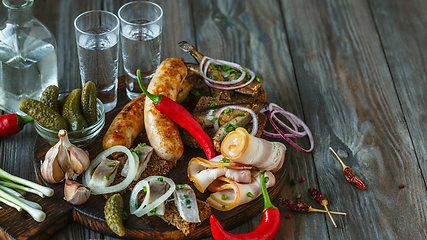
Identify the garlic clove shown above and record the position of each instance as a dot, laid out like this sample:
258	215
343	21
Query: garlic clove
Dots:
50	169
75	193
63	155
79	159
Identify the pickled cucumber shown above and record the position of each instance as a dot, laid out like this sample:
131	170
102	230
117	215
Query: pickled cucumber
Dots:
50	97
89	103
43	114
113	211
71	111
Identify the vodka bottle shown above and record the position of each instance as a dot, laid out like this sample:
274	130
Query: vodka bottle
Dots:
28	56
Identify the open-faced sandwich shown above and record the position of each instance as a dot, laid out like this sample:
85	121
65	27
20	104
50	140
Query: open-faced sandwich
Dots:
220	107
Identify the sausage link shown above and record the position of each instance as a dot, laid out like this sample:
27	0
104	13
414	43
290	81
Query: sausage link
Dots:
162	132
127	125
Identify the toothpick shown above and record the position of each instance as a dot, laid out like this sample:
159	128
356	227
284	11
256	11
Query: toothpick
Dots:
324	211
329	213
343	165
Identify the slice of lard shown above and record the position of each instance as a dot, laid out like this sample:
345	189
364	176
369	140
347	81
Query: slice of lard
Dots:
104	174
186	203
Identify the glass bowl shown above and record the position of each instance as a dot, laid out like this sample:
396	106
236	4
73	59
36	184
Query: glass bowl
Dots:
80	138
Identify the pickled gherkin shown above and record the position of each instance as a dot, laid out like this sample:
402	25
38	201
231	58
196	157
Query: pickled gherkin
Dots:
43	114
50	97
89	103
71	111
113	211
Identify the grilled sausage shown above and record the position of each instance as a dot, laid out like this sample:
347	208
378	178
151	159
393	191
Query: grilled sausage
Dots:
161	131
127	125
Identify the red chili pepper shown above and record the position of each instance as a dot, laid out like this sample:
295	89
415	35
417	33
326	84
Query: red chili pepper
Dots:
177	113
12	123
268	228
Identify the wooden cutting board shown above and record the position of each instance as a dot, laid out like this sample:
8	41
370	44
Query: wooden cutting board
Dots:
19	225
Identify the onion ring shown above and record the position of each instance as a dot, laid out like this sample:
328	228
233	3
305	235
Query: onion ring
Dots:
133	165
144	208
204	65
294	133
250	111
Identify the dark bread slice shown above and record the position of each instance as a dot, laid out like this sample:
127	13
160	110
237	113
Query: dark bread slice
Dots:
172	216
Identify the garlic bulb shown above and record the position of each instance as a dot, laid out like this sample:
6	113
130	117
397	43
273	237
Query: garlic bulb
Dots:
76	193
64	160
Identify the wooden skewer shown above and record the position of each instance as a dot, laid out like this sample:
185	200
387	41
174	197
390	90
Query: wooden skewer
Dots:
324	211
339	159
329	213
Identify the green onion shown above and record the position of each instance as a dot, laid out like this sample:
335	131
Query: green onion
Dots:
214	77
153	211
160	179
223	197
144	189
199	87
179	187
125	216
187	201
107	177
249	194
213	66
112	164
142	144
248	76
196	93
225	67
188	207
224	160
214	96
185	196
241	114
231	93
214	119
203	125
223	207
185	132
199	171
249	129
214	104
138	152
231	71
227	79
258	79
228	110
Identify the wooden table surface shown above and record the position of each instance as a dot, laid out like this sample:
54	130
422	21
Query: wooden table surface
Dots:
354	71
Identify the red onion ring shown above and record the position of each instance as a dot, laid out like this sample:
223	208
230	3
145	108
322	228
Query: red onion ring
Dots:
204	65
295	121
253	114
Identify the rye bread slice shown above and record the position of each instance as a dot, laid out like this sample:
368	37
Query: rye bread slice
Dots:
172	216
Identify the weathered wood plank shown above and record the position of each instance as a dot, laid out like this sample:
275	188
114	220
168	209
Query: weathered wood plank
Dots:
402	28
253	35
349	100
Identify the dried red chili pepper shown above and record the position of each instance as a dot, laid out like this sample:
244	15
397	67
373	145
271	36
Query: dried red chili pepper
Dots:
12	123
353	179
303	207
267	229
320	198
349	174
177	113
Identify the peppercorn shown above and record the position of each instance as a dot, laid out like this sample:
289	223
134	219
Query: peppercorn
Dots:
401	186
288	215
293	182
302	179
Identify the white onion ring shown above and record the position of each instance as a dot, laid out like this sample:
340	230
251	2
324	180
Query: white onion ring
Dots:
144	208
253	114
295	121
204	65
133	163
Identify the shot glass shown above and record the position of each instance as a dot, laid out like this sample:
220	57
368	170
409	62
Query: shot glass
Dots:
97	36
141	38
